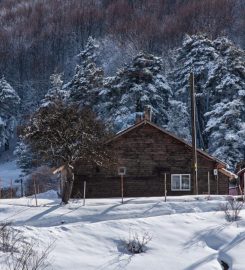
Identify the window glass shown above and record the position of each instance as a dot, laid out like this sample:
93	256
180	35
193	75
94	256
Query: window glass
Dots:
175	183
185	181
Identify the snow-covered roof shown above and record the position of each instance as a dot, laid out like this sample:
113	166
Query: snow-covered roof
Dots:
241	171
228	173
144	122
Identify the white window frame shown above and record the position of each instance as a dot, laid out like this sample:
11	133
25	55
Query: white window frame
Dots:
122	170
180	189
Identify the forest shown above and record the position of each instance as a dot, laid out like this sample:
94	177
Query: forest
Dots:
117	56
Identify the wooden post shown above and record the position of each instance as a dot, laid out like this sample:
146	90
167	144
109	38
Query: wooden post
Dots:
84	192
35	189
194	143
11	188
0	188
208	183
165	186
244	187
122	187
21	187
217	183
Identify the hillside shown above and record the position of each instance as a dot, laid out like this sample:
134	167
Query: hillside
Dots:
43	36
119	56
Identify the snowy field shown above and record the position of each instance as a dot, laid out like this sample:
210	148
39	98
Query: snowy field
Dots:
187	232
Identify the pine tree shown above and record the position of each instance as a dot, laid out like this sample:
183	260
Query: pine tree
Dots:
56	92
9	103
219	80
24	157
226	131
88	79
179	120
135	86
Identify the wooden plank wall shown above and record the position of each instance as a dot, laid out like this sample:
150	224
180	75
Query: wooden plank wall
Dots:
148	153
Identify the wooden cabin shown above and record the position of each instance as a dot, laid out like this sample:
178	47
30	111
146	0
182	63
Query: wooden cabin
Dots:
240	171
146	154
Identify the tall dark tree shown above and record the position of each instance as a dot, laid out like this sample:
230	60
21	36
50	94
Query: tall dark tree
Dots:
9	103
56	93
88	79
135	86
64	135
219	71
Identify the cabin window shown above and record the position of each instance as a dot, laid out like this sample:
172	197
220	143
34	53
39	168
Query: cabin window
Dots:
180	182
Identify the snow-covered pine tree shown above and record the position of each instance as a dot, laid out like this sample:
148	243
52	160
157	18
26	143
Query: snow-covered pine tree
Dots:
88	79
179	120
56	92
219	80
225	131
197	54
9	103
135	86
24	157
227	110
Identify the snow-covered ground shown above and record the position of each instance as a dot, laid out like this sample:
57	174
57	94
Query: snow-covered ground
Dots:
187	232
9	171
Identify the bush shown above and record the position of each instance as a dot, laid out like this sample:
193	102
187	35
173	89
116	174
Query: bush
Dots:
9	238
232	209
137	243
44	180
27	258
20	254
7	193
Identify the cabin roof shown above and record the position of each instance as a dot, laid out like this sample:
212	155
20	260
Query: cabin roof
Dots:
231	175
146	122
239	173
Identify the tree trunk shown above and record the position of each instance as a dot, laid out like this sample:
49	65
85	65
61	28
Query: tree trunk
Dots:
68	183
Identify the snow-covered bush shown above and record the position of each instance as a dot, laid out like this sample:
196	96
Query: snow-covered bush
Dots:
137	243
232	209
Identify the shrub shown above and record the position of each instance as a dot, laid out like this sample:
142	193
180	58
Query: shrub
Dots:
44	181
9	238
232	209
137	243
27	258
20	253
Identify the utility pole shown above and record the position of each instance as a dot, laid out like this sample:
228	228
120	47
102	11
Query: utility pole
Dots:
194	139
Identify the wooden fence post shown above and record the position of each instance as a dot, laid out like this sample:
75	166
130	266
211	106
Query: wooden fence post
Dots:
21	187
165	186
244	187
35	189
208	183
84	192
122	187
11	188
